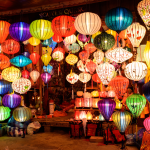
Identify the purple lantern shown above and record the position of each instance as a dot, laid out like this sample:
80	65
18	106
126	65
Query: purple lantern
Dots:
83	38
26	53
11	100
45	77
106	107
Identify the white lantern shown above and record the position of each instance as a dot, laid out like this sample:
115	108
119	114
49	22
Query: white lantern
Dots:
118	55
87	23
135	71
81	66
70	39
136	33
72	78
111	94
34	75
98	56
58	54
84	77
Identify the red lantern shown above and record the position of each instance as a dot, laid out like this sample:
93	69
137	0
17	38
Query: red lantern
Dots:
78	102
103	94
77	115
91	66
90	47
34	57
57	38
96	78
26	74
84	55
63	25
4	61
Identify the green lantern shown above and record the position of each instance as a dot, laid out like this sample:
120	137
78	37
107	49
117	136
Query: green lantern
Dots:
4	113
136	104
127	48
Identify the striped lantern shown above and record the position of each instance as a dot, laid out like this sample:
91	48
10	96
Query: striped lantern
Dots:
98	56
146	123
84	77
46	58
45	77
34	57
4	63
57	38
4	113
4	87
70	39
25	74
34	74
34	41
71	59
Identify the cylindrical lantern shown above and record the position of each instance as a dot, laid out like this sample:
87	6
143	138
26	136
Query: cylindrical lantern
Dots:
78	102
95	102
71	59
4	87
25	74
34	57
77	115
45	77
46	58
34	75
4	113
146	123
4	63
98	56
34	41
70	39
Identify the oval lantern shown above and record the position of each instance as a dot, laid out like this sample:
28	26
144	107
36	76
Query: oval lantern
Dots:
70	39
19	31
87	23
72	78
11	100
10	46
145	89
58	54
57	38
4	113
4	63
83	38
146	123
118	19
63	25
47	42
73	48
84	77
90	47
48	68
98	56
71	59
25	74
34	57
4	87
46	58
34	41
34	75
103	94
45	77
84	55
26	54
21	85
41	29
81	66
91	66
22	114
96	78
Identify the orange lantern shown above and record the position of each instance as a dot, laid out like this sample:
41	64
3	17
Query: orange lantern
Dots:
96	78
4	61
57	38
34	75
95	101
103	94
77	115
89	116
78	102
90	47
84	55
123	34
34	57
91	66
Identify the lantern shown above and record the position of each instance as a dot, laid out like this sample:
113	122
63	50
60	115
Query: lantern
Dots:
98	56
96	78
11	74
136	33
146	123
95	94
45	77
46	50
46	58
103	94
34	57
11	100
47	42
26	54
87	23
63	25
81	66
112	32
77	115
19	31
34	41
21	85
91	66
41	29
119	85
95	101
105	72
72	78
106	107
84	55
118	104
58	54
118	19
70	39
101	118
136	104
78	102
4	113
121	120
82	115
83	38
4	63
123	34
57	38
145	89
73	48
90	47
48	68
135	71
111	94
34	75
10	46
89	116
22	114
25	74
71	59
104	41
84	77
20	61
53	44
4	87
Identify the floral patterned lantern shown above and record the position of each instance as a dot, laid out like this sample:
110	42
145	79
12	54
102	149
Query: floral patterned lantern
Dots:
48	68
34	41
90	47
71	59
57	38
4	113
81	66
34	57
45	77
46	58
72	78
4	63
98	56
25	74
70	39
84	77
34	75
58	54
4	87
91	66
84	55
146	123
96	78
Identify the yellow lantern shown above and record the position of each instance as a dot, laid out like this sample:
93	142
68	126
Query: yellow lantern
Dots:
46	58
118	104
95	101
95	34
89	116
71	59
11	74
34	41
46	50
95	94
112	32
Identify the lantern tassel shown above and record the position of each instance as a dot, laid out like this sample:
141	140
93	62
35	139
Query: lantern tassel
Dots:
72	93
58	71
85	88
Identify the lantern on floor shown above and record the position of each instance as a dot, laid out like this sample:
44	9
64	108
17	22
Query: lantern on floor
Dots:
57	38
25	74
136	33
136	104
4	113
10	46
146	123
104	41
19	31
119	85
84	55
91	66
82	115
106	107
122	18
34	57
87	23
81	66
20	61
72	78
26	54
77	115
21	85
70	39
90	47
89	116
41	29
98	56
4	63
22	114
4	87
34	75
121	120
84	77
46	58
135	71
145	89
105	72
11	100
34	41
45	77
11	74
47	42
71	59
63	25
58	54
48	68
96	78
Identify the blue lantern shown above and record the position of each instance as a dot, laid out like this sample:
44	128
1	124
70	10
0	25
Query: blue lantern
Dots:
47	42
26	54
4	87
53	44
146	90
20	61
118	19
48	68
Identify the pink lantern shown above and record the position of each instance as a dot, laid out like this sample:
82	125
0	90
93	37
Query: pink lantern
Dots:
83	38
103	94
45	77
111	94
34	75
72	78
90	47
84	55
25	74
146	123
91	66
82	115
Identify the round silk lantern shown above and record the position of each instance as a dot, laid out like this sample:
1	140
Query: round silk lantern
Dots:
104	41
79	93
146	123
22	114
96	78
70	39
63	25
91	66
121	120
98	56
135	71
57	38
11	74
47	42
4	63
46	58
25	74
72	78
34	57
84	55
83	38
4	87
90	47
48	68
145	89
34	75
58	54
103	94
10	46
26	54
41	29
136	104
71	59
4	113
21	85
73	48
111	94
84	77
81	66
34	41
118	19
45	77
87	23
95	94
11	100
19	31
106	107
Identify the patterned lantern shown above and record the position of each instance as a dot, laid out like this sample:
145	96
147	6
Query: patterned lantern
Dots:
146	123
4	113
121	120
81	66
20	61
57	38
10	46
72	78
11	74
146	91
71	59
34	57
104	41
87	23
73	48
98	56
106	107
45	77
118	19
4	87
19	31
4	63
47	42
136	104
105	72
21	85
119	85
41	29
25	74
70	39
118	55
46	58
90	47
111	93
22	114
58	54
83	38
63	25
34	41
91	66
103	94
26	54
11	100
84	55
136	33
84	77
135	71
48	68
96	78
34	75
